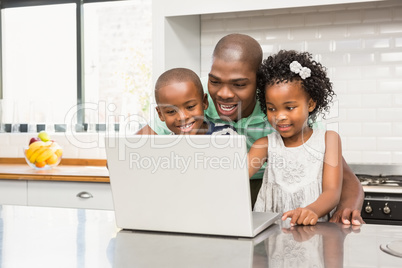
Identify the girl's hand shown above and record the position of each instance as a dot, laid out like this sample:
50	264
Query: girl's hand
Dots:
301	216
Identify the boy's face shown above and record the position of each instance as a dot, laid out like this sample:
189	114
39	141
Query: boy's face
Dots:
232	86
181	107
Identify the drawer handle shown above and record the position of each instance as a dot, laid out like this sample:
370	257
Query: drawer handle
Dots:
84	195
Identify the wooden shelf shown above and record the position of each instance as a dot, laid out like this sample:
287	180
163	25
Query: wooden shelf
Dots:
85	170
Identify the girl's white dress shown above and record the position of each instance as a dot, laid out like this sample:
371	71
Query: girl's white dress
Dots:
293	176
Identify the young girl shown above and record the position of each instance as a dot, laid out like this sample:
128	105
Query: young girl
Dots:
303	175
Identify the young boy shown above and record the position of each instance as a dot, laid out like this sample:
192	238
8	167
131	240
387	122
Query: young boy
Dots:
181	103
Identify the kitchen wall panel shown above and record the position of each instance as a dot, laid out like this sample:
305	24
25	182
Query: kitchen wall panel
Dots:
361	46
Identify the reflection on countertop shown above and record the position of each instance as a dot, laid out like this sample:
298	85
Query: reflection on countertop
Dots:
59	237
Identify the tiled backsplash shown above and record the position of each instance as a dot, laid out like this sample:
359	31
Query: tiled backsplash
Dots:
360	44
76	145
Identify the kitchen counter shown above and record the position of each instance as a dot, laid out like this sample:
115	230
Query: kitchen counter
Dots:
75	183
68	170
60	237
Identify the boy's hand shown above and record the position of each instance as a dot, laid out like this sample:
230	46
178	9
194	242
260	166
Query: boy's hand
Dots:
301	216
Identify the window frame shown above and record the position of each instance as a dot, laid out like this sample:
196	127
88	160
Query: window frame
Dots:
79	36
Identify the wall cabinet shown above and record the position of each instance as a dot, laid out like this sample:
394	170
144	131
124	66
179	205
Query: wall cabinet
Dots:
88	195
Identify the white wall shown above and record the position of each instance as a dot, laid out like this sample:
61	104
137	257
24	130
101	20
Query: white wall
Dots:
184	7
361	44
359	41
176	44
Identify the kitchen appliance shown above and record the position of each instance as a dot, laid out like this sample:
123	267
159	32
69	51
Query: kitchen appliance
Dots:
382	185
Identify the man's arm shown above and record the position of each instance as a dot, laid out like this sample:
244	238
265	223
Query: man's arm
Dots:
257	155
350	204
147	130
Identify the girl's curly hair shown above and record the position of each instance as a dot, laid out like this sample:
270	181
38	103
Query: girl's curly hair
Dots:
275	69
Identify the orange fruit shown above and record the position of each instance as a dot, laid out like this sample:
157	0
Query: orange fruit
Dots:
40	164
52	159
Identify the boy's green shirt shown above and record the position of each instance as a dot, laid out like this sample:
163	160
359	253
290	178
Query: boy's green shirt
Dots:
253	127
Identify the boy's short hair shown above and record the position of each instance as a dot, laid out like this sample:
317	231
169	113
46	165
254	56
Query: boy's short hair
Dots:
178	75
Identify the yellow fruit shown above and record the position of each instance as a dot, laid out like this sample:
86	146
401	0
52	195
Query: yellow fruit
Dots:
43	156
33	147
52	159
33	157
59	152
40	164
42	153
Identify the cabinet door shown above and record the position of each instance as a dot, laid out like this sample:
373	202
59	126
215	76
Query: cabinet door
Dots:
91	195
13	192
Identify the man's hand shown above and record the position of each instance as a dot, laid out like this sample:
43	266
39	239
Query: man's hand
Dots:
347	216
301	216
326	229
352	197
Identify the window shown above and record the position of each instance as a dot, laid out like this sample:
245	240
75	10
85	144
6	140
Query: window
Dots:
45	74
118	55
39	62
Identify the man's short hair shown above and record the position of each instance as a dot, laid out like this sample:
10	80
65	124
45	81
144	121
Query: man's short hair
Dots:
239	47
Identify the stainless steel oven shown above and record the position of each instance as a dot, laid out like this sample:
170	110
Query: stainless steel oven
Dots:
382	185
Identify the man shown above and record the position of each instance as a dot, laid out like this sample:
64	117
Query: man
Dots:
232	88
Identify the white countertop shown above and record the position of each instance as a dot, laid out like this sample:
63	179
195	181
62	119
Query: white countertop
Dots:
57	237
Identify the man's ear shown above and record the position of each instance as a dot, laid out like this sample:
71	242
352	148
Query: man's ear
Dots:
311	105
205	101
160	114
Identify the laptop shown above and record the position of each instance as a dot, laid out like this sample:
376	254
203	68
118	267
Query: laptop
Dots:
140	248
183	184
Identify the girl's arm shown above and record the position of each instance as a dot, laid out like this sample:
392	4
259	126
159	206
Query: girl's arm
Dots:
257	155
331	185
331	176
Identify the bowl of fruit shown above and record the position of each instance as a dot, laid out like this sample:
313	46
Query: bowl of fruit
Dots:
42	152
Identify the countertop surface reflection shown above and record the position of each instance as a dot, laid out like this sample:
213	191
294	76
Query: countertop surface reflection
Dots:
60	237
